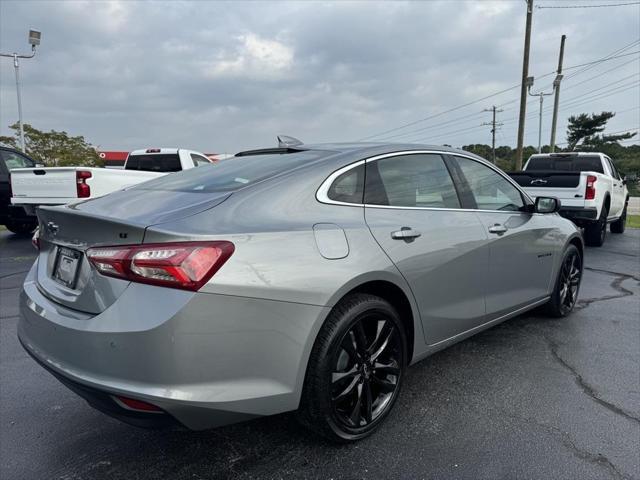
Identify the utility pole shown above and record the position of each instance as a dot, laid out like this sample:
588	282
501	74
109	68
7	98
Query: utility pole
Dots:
494	125
523	86
541	94
34	40
556	100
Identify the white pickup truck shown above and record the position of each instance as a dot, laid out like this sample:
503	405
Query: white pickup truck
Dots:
32	187
592	192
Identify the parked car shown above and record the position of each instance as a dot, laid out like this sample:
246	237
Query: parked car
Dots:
15	218
286	279
593	193
62	185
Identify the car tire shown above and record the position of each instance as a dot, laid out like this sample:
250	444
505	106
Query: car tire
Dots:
567	284
596	233
355	370
619	225
21	228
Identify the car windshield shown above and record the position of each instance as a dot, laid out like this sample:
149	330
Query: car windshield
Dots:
566	163
232	174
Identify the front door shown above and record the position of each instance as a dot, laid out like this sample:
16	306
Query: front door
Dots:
413	211
521	244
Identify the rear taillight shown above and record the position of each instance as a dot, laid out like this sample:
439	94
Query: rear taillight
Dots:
35	239
83	190
590	192
185	265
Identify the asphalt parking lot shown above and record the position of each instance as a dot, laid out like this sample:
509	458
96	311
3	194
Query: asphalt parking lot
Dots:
531	398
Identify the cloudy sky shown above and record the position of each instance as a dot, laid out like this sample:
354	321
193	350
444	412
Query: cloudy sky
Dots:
226	76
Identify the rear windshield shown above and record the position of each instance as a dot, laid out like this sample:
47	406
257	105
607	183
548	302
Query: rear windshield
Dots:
165	162
571	163
233	173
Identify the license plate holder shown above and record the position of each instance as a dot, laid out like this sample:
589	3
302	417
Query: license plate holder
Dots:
67	265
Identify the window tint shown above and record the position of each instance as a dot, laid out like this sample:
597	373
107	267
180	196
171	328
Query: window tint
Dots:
15	160
566	163
419	180
199	160
490	190
233	173
348	187
169	162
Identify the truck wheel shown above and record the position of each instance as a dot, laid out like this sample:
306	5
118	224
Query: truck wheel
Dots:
595	233
619	225
21	228
355	370
567	286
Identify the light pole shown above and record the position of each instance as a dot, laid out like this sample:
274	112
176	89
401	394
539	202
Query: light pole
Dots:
34	40
529	84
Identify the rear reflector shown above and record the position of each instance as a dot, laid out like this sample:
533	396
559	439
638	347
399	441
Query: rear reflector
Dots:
590	192
35	239
184	265
137	405
83	190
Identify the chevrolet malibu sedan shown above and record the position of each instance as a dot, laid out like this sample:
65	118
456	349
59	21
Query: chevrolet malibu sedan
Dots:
301	278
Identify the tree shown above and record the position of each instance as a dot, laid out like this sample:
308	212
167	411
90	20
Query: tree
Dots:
54	148
588	129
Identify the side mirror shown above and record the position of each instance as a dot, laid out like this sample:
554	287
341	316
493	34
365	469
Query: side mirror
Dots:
547	205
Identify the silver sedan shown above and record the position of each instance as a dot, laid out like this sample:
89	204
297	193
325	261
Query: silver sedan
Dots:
301	278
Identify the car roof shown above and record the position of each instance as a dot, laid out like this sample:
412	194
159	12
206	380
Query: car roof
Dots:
362	149
566	154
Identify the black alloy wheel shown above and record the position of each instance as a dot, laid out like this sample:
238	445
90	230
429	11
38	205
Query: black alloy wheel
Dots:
367	370
565	293
570	274
355	370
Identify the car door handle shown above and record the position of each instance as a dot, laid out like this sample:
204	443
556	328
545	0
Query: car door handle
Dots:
497	228
405	233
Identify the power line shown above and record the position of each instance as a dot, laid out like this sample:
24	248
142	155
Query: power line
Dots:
440	113
544	7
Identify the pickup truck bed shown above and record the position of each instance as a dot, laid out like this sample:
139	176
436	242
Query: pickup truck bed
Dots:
591	191
32	187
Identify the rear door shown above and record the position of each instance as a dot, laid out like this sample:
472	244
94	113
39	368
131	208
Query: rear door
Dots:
617	190
521	244
414	212
9	160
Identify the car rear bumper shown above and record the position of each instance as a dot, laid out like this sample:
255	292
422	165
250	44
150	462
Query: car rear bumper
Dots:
206	360
580	215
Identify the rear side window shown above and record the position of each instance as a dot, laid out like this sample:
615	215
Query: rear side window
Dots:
417	180
348	187
234	173
15	160
166	162
199	160
566	163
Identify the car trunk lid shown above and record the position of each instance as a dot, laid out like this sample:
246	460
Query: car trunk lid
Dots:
64	273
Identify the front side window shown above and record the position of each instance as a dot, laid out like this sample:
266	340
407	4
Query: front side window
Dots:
490	190
413	180
15	160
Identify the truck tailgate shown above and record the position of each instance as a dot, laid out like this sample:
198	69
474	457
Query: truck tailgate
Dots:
56	182
569	187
